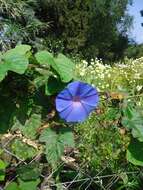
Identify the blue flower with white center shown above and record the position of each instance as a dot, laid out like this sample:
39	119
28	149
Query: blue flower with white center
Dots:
76	101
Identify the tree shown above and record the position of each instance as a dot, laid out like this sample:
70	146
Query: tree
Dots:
91	28
109	25
134	51
20	23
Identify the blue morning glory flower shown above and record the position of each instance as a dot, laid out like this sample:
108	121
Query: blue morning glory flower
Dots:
76	101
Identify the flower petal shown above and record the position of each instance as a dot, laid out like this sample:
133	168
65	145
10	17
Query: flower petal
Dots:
75	103
62	104
64	114
73	88
64	95
77	114
88	91
90	100
88	108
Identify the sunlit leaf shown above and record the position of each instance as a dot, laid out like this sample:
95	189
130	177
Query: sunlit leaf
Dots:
14	60
12	186
22	150
45	58
3	166
19	49
64	67
31	125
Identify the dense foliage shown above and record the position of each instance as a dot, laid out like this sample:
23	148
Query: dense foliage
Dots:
20	23
38	149
134	51
95	28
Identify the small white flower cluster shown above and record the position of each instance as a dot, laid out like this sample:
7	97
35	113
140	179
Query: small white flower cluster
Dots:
127	76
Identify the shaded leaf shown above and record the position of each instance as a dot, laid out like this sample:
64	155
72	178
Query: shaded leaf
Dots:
133	120
53	86
56	141
40	81
29	172
54	148
67	137
28	185
43	78
7	107
48	135
53	152
134	152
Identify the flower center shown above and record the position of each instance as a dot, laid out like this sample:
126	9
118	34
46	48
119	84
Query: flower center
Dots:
76	99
